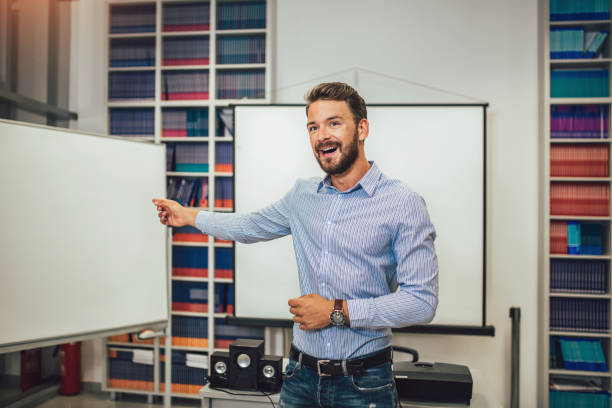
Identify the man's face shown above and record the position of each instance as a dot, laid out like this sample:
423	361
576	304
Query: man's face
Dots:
333	135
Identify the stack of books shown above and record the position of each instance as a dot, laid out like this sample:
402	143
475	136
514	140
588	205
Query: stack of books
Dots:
578	276
580	315
241	84
573	160
579	121
224	157
189	331
132	19
233	15
189	16
131	85
131	121
189	261
185	51
184	122
241	50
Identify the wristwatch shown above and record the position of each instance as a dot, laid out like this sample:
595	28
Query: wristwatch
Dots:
337	316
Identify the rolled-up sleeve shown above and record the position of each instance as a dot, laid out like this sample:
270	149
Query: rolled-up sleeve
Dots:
268	223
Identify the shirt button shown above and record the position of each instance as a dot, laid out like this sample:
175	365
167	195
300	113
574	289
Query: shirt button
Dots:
328	222
323	284
328	345
326	251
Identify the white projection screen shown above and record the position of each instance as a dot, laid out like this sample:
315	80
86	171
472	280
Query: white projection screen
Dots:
437	150
83	252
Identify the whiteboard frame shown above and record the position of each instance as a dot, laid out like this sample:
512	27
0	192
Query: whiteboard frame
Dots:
483	329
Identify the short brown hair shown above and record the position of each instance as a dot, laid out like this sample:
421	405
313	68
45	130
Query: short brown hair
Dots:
339	91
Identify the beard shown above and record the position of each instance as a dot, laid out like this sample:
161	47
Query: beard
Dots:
346	156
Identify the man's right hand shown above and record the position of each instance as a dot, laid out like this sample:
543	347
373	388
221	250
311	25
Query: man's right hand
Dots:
173	214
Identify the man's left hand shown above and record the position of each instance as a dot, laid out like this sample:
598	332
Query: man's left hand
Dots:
311	311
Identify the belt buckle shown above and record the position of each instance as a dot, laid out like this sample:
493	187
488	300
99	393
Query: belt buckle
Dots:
319	362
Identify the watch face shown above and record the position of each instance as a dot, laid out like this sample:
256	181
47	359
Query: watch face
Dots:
337	318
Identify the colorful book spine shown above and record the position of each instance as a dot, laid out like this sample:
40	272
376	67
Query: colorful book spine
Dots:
233	84
234	15
189	261
130	369
224	263
580	199
185	51
184	122
189	331
241	49
131	121
582	354
188	234
579	121
133	52
579	83
563	10
580	315
185	85
572	399
131	85
188	373
186	16
190	296
575	160
224	192
224	157
558	237
191	157
578	276
132	19
189	192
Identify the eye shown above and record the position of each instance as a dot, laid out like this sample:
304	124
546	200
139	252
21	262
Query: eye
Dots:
312	129
334	123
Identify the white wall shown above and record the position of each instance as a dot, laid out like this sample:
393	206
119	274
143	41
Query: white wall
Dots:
483	49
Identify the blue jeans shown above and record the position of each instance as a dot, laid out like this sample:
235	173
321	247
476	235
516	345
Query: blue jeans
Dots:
302	387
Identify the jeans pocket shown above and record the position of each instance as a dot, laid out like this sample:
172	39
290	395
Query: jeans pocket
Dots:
291	369
375	379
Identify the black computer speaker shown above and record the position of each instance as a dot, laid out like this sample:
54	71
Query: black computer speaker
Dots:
219	369
270	376
244	363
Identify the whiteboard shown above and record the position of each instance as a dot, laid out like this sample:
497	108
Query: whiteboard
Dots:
438	151
82	250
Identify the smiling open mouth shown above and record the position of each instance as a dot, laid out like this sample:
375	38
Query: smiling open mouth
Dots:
328	151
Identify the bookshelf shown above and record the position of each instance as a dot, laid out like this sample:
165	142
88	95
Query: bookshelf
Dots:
174	67
576	242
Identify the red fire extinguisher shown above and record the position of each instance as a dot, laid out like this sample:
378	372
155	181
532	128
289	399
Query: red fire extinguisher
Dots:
70	358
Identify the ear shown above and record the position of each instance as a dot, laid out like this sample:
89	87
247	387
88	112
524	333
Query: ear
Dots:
363	129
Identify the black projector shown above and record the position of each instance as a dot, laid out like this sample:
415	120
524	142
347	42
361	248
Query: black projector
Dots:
436	382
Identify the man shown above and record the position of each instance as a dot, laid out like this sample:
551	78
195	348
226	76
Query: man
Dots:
358	237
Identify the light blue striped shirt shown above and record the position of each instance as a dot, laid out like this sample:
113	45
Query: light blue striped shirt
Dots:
372	245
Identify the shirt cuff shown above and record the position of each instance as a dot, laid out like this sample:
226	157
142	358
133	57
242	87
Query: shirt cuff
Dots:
202	220
359	311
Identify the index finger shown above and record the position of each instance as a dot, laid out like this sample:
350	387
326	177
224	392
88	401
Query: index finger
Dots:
293	302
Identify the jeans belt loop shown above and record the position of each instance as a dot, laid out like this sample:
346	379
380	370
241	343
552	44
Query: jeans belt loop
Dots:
344	369
299	362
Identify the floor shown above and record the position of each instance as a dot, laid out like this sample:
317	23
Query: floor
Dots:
102	400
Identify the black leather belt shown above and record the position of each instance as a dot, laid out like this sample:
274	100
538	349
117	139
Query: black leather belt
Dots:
354	366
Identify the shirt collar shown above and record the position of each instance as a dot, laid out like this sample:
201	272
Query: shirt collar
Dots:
368	182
